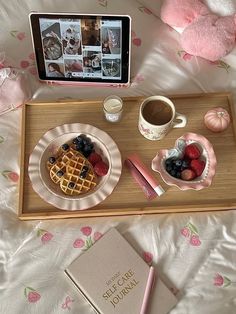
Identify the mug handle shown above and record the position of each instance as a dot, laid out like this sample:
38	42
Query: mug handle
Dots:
181	124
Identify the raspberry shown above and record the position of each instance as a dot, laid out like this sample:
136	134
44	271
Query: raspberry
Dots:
101	168
188	175
94	158
197	166
192	151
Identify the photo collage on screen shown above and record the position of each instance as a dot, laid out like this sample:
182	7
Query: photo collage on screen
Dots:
82	48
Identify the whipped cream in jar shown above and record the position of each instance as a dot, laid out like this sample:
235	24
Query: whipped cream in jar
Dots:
113	107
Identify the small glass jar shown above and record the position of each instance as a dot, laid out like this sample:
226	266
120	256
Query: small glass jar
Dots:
113	107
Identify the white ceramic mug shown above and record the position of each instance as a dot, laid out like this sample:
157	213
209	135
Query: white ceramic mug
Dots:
157	116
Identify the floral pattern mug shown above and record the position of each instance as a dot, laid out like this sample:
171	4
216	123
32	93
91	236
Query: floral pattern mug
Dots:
157	116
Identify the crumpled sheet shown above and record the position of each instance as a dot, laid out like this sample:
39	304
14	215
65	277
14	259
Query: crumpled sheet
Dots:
194	253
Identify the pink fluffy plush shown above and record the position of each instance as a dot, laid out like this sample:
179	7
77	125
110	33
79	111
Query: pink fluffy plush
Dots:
181	13
205	34
211	37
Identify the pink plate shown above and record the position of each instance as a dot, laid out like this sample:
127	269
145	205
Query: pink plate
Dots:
207	154
48	145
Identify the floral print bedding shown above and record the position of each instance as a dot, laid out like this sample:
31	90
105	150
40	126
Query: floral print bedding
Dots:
194	253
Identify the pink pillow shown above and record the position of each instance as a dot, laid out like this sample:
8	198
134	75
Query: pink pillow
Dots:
181	13
205	34
14	89
210	37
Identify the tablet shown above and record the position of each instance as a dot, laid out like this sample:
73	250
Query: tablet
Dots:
85	49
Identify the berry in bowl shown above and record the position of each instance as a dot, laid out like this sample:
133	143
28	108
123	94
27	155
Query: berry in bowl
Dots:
191	164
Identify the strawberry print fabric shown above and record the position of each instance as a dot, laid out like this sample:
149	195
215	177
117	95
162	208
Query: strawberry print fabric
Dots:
194	254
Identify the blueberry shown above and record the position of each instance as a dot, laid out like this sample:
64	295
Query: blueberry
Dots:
65	146
79	147
168	168
83	174
178	163
60	173
85	168
88	148
75	141
173	173
86	153
71	185
178	175
185	164
85	141
80	138
168	162
91	146
52	160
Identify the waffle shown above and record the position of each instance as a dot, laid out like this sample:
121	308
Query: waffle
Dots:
72	183
59	167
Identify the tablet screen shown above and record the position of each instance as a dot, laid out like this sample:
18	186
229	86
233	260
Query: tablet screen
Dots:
82	48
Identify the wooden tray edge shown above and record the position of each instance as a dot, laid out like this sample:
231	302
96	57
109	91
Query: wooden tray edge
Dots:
22	161
233	112
125	212
62	101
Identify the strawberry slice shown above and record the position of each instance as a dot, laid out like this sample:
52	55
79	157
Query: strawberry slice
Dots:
188	175
101	168
192	152
198	166
94	158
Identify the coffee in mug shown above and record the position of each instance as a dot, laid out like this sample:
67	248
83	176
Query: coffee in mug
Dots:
157	116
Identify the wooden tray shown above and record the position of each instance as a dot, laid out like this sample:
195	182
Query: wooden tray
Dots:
127	198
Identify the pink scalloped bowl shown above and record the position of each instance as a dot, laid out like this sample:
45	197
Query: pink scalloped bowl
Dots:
207	154
48	145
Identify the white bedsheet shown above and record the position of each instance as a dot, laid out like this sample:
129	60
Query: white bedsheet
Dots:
193	253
